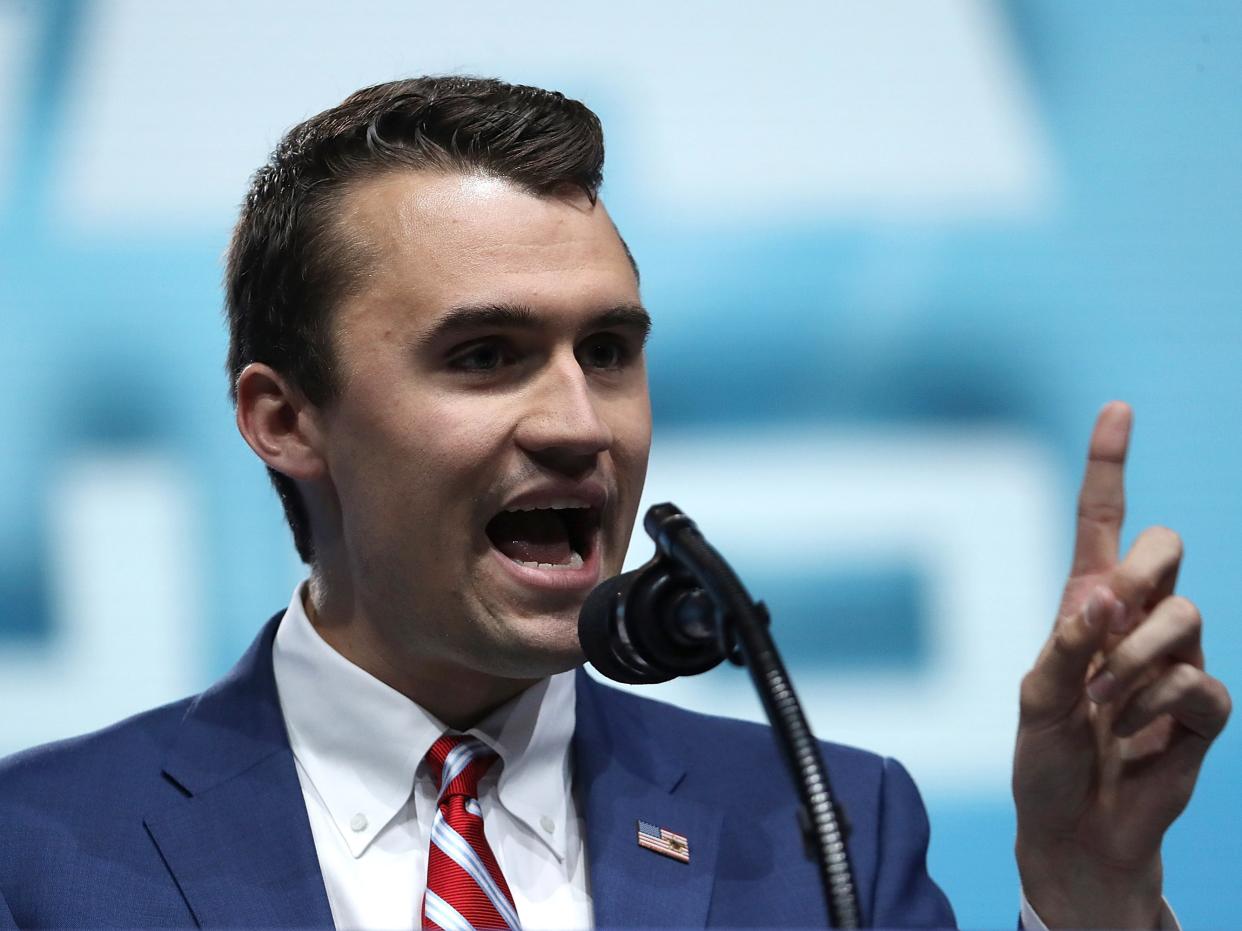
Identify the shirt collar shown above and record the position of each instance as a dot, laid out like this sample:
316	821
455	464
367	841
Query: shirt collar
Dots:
360	742
532	735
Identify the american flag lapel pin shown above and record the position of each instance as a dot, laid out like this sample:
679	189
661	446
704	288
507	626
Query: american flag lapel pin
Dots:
664	841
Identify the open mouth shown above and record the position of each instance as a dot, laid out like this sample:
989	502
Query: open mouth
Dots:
560	535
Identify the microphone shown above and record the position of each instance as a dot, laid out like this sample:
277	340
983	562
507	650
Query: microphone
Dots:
651	625
656	622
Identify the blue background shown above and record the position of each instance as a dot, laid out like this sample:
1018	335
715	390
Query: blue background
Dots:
1125	282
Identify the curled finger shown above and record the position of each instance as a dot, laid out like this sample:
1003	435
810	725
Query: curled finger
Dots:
1198	702
1148	574
1171	633
1054	686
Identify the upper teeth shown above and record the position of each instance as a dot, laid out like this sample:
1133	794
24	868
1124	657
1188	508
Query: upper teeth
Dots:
556	504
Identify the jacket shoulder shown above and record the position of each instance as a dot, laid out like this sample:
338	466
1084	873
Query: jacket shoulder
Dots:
713	736
110	756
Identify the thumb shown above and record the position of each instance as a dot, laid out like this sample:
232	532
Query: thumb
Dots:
1054	686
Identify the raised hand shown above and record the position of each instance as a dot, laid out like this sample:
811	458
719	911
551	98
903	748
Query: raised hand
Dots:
1116	714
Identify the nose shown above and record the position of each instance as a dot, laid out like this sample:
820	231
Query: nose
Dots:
562	428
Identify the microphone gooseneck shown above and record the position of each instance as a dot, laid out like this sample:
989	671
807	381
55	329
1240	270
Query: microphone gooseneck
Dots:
685	612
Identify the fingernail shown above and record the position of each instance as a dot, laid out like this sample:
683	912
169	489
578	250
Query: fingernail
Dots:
1120	619
1092	609
1102	687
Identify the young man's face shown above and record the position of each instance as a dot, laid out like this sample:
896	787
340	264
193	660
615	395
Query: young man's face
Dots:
489	443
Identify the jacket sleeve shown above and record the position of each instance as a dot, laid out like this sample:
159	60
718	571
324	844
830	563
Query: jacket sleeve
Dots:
904	895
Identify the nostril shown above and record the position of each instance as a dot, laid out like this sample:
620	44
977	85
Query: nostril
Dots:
566	462
565	439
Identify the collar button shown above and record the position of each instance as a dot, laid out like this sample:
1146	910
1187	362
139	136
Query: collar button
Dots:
358	822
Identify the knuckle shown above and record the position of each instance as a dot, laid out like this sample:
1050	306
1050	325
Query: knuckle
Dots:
1217	692
1134	588
1029	695
1064	642
1142	587
1186	678
1185	612
1224	699
1036	697
1216	705
1038	688
1101	512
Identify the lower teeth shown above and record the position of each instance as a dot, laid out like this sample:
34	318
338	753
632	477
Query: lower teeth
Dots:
575	562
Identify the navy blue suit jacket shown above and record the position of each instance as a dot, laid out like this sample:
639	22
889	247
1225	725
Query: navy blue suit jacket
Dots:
192	814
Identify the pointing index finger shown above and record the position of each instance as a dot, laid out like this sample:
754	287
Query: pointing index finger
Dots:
1102	500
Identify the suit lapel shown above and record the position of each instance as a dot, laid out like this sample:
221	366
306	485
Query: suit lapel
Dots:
236	839
620	779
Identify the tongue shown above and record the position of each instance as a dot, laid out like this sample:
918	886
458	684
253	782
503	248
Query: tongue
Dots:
531	536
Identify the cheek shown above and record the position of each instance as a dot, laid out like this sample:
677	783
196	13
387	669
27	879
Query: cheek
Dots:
447	455
460	439
410	462
630	423
424	431
631	430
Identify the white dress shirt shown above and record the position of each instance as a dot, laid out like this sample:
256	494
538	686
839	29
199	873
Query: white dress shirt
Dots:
359	748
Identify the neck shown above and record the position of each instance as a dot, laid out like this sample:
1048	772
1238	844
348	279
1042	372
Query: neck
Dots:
457	696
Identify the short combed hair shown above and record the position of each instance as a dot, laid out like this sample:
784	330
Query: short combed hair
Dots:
288	262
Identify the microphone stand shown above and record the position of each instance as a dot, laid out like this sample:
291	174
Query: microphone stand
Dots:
744	625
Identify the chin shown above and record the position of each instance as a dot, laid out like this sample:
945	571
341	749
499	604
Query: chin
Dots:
539	647
533	664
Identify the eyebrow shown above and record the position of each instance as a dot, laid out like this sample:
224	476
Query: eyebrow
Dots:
521	317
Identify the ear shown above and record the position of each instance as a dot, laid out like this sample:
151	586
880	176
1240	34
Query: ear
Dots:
279	424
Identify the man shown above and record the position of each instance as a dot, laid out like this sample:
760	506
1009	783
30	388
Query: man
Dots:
437	351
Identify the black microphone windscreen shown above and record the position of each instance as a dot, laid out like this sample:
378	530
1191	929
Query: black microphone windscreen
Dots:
597	631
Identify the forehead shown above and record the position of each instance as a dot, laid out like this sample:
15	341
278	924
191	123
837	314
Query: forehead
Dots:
436	240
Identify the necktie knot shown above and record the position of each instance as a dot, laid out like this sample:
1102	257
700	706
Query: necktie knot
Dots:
457	762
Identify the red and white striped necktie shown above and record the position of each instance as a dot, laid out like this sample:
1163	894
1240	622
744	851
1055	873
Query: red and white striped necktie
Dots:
465	888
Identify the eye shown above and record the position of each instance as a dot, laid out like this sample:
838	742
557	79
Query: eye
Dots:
605	351
482	357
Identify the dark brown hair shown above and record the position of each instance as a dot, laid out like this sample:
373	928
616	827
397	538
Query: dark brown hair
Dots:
289	264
